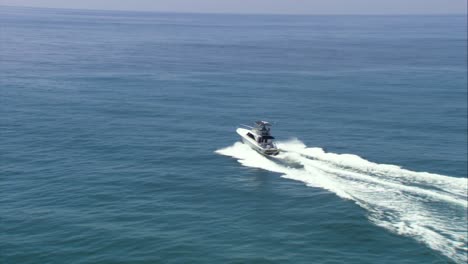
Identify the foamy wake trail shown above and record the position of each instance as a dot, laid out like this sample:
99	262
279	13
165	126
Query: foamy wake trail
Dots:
429	207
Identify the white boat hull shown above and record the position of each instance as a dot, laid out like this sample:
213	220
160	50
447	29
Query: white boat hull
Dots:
254	145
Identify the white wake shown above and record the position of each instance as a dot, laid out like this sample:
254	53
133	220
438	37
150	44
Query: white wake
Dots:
429	207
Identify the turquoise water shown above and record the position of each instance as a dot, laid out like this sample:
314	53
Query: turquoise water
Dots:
118	140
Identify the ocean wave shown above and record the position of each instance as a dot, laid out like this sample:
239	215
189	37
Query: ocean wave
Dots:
429	207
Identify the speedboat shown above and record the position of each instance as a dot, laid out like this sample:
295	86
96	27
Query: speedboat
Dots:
259	138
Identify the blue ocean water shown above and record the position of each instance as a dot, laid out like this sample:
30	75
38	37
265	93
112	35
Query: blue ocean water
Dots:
118	140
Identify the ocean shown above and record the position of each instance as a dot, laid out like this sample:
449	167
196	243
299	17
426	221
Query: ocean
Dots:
118	142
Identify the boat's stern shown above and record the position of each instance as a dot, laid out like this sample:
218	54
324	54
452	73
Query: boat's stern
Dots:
271	152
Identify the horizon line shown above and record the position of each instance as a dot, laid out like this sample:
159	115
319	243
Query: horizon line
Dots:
234	13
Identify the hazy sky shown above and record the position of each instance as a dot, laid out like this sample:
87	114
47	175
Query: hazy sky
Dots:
262	6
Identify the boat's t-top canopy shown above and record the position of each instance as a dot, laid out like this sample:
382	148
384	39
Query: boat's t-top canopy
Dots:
263	128
262	123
